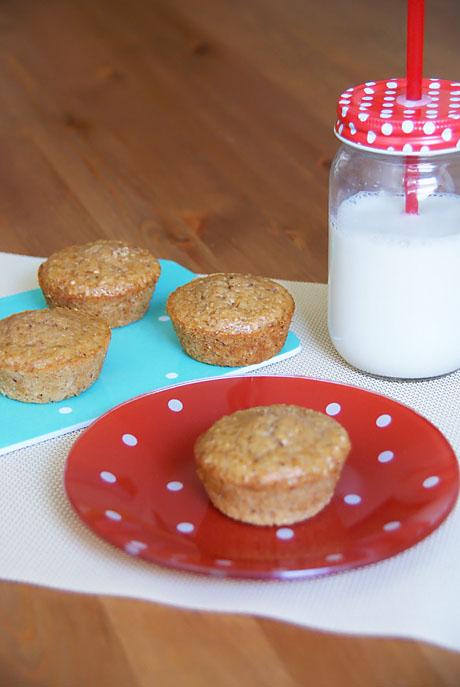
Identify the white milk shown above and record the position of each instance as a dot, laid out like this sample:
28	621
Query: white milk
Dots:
394	285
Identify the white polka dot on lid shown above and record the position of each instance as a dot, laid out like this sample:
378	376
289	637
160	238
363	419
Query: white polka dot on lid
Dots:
446	135
454	99
129	439
108	477
454	93
407	148
174	486
340	129
65	410
362	116
175	405
454	106
392	84
385	456
407	126
163	318
369	90
352	499
425	149
389	97
392	526
432	112
334	557
371	136
113	515
386	115
363	106
428	128
352	128
171	375
390	92
367	97
344	111
224	562
431	481
435	85
383	420
390	149
333	408
432	115
387	129
185	527
284	533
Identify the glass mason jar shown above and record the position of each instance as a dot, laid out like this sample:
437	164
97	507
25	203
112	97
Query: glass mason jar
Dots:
394	276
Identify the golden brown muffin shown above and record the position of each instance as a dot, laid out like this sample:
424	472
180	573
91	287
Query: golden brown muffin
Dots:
272	465
231	319
109	279
48	355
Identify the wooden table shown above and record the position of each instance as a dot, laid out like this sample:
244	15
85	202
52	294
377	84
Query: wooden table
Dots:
202	130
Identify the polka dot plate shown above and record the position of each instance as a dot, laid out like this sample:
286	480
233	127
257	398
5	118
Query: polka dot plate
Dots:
130	476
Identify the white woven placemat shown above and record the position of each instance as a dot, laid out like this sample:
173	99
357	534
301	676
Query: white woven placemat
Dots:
414	594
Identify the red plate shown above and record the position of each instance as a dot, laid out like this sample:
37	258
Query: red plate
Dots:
131	478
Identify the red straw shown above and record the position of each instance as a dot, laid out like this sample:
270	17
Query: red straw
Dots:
414	69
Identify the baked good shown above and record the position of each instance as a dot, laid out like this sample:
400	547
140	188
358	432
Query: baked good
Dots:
231	319
48	355
272	465
110	279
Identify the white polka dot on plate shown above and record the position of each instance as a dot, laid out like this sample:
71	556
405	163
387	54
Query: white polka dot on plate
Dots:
65	410
175	405
163	318
129	439
383	420
334	557
431	482
284	533
185	527
174	486
392	526
385	456
107	476
352	499
333	408
171	375
113	515
134	547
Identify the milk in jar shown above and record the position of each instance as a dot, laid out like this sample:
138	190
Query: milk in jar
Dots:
394	284
394	229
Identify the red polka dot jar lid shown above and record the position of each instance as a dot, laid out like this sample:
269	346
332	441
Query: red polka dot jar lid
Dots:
377	116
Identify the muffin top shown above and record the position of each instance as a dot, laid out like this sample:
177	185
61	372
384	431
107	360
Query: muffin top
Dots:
270	445
34	340
99	268
238	303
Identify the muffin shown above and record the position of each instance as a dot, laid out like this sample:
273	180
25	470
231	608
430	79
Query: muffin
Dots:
109	279
272	465
231	319
48	355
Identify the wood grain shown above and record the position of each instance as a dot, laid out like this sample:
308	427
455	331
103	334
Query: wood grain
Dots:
202	130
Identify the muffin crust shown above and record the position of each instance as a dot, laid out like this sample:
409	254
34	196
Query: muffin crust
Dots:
110	279
231	319
48	355
272	465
